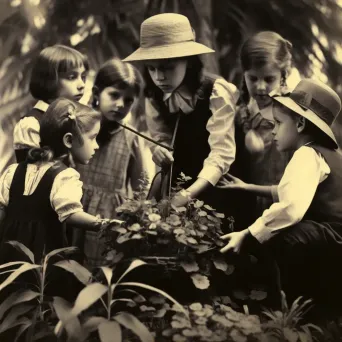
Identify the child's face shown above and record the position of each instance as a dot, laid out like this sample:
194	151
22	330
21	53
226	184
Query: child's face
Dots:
115	104
83	152
261	81
285	131
71	84
167	74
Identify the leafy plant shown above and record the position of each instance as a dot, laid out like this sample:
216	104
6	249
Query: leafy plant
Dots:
27	308
79	325
284	325
157	229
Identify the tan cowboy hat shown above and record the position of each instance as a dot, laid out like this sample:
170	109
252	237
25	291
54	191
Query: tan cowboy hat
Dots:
314	101
167	35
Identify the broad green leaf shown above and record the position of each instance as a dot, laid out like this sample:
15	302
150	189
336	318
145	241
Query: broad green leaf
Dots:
108	272
110	331
93	323
23	268
12	263
134	264
20	247
70	322
16	298
11	319
132	323
25	324
72	266
127	300
154	289
88	296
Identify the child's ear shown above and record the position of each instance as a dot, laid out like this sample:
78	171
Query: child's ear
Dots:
67	140
96	95
301	124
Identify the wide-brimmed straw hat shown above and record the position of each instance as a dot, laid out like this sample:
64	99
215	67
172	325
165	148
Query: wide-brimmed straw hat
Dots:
167	35
316	102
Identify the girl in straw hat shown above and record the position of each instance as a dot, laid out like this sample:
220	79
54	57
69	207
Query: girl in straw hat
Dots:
303	230
196	109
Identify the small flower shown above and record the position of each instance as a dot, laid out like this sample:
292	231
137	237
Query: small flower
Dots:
201	320
154	217
204	331
152	226
189	332
200	281
145	308
237	336
202	213
179	338
198	204
220	264
179	231
165	226
190	267
222	320
135	227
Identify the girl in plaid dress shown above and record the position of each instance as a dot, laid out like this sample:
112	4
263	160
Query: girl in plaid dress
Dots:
117	166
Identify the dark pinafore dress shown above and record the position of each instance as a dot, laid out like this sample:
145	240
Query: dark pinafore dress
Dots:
32	221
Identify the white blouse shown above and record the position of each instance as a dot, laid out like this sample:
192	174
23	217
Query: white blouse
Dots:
296	190
66	192
220	126
26	131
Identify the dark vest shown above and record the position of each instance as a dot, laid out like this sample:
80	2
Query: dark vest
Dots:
22	153
327	202
191	145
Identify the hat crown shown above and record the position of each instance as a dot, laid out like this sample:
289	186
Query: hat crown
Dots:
328	103
165	29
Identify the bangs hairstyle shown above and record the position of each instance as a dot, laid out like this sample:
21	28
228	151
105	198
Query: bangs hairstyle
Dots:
118	74
192	79
51	62
56	122
310	129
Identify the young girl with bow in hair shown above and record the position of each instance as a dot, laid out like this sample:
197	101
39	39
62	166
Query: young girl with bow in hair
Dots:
41	194
187	108
59	71
118	165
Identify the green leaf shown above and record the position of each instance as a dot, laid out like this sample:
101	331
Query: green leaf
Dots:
16	298
25	324
134	264
88	296
108	272
22	248
110	331
132	323
126	300
23	268
12	263
57	251
69	321
154	289
92	323
11	320
72	266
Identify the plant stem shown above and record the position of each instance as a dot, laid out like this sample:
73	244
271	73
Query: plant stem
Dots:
41	296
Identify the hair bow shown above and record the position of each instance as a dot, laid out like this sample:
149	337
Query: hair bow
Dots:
71	113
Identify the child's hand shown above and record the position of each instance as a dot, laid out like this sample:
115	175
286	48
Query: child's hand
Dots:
236	240
181	199
161	156
230	182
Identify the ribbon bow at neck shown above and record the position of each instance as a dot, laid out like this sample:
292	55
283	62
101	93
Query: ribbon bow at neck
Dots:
180	99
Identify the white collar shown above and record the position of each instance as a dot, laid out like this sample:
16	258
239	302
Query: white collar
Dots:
41	105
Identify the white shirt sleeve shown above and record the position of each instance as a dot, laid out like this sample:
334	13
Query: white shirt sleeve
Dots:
5	184
66	194
296	190
222	131
26	133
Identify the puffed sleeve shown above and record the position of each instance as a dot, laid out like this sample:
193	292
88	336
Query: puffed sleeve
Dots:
221	128
66	194
26	133
5	184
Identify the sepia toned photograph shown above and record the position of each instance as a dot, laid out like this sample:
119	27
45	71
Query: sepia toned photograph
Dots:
170	170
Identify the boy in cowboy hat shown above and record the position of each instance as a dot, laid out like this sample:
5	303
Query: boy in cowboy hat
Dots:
303	230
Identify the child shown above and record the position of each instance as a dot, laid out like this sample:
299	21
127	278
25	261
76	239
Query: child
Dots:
117	166
39	195
303	230
59	71
266	62
197	108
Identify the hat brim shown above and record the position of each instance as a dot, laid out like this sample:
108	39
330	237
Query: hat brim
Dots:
308	114
178	50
